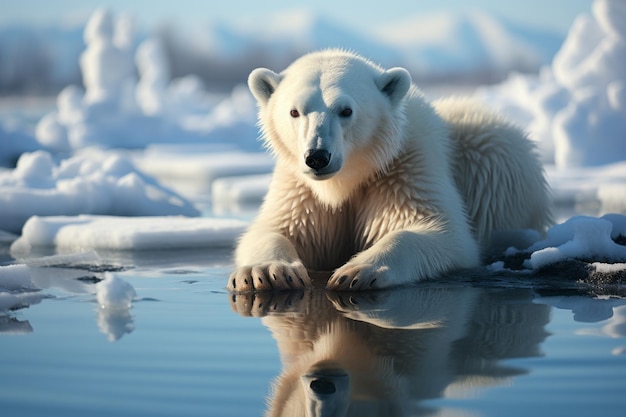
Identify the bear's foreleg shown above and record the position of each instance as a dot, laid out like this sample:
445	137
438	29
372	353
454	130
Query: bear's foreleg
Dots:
406	256
267	260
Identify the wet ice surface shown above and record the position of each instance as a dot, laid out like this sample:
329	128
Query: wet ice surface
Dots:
181	345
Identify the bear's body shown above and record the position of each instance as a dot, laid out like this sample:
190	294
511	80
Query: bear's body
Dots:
375	184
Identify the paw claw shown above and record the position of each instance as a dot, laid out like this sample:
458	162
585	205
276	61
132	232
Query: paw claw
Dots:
273	275
356	277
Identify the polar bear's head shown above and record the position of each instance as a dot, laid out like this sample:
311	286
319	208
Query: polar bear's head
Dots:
333	117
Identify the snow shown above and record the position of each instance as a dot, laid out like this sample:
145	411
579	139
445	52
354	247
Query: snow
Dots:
576	108
581	237
82	184
85	232
595	240
115	110
113	293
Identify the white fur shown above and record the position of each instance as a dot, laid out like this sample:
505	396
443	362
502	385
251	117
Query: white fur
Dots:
411	191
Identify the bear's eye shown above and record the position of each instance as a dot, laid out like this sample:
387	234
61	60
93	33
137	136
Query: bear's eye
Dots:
294	113
347	112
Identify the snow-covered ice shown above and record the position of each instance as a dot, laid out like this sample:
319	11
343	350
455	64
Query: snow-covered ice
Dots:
85	232
598	241
581	237
82	184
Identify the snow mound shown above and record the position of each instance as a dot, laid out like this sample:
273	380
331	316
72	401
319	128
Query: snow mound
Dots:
576	109
115	110
581	237
94	184
597	242
85	232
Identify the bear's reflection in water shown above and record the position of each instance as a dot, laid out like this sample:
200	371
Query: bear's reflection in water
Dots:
380	353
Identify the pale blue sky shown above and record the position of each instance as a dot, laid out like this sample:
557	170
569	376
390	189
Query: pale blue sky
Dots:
359	14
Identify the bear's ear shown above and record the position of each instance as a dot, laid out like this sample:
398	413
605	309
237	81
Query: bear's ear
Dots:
394	83
262	84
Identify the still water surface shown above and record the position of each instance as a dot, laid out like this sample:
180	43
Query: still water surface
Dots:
459	347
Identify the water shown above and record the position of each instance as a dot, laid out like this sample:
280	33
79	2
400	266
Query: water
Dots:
459	347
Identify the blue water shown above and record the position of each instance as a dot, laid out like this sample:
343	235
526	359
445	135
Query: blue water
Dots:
459	347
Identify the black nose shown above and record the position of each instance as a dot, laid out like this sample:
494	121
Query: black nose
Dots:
317	158
323	386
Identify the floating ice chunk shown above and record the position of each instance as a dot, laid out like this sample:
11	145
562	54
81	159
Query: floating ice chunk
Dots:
113	293
608	268
11	301
115	299
82	233
16	288
15	277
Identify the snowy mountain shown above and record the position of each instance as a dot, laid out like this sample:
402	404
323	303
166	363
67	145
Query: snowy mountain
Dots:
447	46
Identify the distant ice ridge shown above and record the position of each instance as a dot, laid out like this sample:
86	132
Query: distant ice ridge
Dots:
83	184
576	109
115	110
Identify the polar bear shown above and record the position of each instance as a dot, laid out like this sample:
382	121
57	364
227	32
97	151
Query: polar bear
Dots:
374	184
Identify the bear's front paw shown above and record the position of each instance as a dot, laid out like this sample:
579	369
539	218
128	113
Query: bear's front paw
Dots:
359	277
269	276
